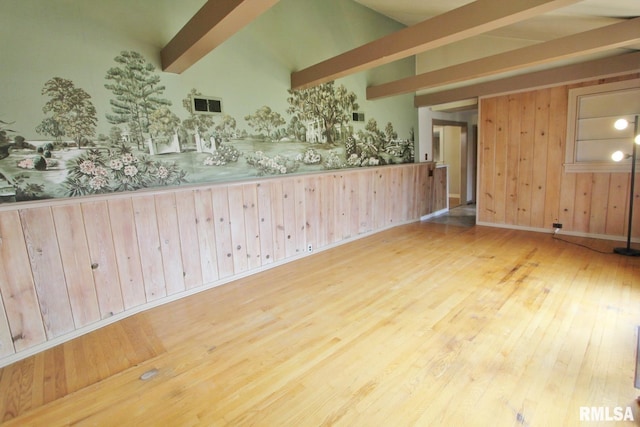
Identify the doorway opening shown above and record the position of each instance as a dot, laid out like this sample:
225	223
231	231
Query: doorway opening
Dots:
455	145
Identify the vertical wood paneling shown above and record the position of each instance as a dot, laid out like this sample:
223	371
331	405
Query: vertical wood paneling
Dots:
289	215
17	286
48	274
266	222
500	157
486	154
206	235
513	157
365	200
252	226
537	190
221	222
76	262
555	155
104	266
352	188
127	254
6	343
326	233
539	164
280	241
379	200
146	218
599	206
343	207
582	202
567	200
440	195
312	207
525	159
170	247
188	229
617	207
238	229
428	185
301	236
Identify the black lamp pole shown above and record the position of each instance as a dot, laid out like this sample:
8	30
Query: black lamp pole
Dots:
628	251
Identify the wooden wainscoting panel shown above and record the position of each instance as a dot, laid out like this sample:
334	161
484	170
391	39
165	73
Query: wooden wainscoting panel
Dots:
327	227
289	216
188	229
312	210
252	226
266	223
146	222
76	262
18	288
221	223
206	234
300	210
48	273
170	246
127	254
104	266
238	229
6	340
281	242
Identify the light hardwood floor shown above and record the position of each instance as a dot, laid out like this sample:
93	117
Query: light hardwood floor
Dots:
421	325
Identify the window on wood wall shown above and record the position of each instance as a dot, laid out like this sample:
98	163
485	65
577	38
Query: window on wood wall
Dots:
591	137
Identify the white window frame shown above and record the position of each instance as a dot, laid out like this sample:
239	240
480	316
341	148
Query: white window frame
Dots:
572	164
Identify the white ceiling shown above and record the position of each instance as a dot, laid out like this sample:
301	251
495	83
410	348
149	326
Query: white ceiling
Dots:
582	16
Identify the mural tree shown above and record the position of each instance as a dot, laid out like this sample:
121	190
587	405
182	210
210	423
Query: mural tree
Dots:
71	109
227	127
265	120
331	105
197	123
137	93
163	124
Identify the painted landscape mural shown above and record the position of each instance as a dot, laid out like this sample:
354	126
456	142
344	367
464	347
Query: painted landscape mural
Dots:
149	145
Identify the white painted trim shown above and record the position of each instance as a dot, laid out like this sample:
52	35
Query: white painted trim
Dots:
434	214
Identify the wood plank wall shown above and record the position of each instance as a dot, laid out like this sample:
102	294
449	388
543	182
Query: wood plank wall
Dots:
70	266
521	177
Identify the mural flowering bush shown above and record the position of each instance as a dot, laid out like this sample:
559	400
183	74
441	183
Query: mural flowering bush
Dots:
354	160
223	155
278	165
310	157
334	161
105	171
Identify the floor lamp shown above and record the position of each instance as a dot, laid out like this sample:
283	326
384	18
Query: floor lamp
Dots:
618	156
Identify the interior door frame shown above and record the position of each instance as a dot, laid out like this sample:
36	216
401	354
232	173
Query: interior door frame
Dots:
464	144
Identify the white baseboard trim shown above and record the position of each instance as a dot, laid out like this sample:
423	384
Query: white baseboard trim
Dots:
561	232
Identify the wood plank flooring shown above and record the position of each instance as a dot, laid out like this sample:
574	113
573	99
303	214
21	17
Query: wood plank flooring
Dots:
425	324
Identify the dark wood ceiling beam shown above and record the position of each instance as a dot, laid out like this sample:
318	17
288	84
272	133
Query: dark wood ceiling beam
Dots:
214	23
469	20
602	67
604	38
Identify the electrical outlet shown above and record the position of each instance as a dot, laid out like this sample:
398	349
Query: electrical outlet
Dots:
557	225
309	248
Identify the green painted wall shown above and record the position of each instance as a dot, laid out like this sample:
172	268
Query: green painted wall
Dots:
79	39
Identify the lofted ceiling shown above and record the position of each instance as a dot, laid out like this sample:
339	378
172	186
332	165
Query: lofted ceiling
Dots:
579	17
462	47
